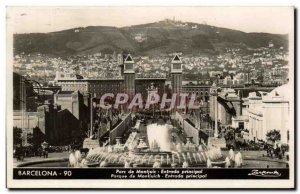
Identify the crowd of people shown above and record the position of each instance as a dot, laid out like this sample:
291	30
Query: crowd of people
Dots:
277	152
21	152
235	139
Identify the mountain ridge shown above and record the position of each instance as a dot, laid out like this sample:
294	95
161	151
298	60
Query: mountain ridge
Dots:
165	36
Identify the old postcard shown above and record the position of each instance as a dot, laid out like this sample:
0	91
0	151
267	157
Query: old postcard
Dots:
150	97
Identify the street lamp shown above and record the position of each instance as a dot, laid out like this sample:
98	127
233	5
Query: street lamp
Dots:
25	83
92	97
214	93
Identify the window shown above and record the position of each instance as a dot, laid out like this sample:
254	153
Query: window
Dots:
241	125
129	67
177	66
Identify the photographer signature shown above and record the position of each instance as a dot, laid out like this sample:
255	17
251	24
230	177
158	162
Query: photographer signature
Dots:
264	173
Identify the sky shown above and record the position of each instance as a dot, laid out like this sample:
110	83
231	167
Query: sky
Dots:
277	20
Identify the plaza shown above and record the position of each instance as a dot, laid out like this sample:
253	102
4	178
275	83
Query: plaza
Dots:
198	128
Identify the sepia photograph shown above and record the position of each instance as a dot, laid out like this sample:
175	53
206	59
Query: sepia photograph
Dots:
150	97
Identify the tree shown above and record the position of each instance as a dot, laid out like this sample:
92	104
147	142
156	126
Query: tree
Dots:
17	136
30	138
273	135
77	137
37	137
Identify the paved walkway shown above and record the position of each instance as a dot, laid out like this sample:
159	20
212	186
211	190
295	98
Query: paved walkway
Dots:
51	156
256	155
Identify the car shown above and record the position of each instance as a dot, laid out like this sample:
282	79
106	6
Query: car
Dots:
58	149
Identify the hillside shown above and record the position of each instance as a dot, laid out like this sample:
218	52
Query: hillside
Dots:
161	37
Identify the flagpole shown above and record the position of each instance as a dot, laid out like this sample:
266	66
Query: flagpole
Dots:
91	112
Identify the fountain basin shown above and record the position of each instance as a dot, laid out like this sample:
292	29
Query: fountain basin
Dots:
147	159
247	164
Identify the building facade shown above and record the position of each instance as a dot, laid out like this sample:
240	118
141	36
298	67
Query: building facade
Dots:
262	111
127	82
69	114
73	84
229	106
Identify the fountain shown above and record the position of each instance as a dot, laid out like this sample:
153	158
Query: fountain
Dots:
227	162
159	136
185	164
167	159
238	161
142	144
72	160
118	147
209	164
189	156
231	155
126	164
156	151
157	164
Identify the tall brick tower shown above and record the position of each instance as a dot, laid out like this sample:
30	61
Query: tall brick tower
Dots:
176	77
129	76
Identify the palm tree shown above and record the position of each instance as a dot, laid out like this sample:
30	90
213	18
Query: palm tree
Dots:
273	135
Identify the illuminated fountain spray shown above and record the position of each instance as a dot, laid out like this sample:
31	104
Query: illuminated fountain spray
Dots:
132	159
161	159
142	144
122	159
195	157
159	151
150	158
126	164
178	155
173	160
199	156
159	136
189	157
144	158
167	159
156	157
183	156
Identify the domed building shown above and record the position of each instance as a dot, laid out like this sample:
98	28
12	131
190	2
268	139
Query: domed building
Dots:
269	111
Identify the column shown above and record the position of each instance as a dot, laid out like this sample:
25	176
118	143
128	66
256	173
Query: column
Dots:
216	118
